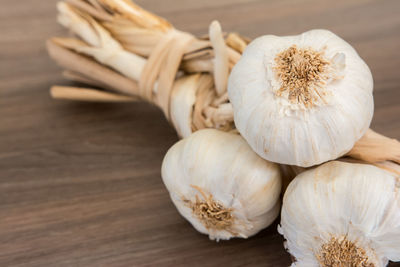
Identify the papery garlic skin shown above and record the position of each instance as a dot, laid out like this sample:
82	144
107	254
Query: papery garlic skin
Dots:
223	166
354	202
294	129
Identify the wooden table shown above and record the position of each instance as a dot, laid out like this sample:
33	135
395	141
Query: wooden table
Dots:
80	183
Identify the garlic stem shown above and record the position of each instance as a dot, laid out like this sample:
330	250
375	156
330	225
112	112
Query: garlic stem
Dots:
91	69
221	61
137	15
88	94
374	147
78	77
234	41
103	47
96	10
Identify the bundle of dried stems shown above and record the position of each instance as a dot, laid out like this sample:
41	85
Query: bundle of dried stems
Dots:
132	54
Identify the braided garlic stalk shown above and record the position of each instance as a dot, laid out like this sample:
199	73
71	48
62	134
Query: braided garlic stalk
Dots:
150	60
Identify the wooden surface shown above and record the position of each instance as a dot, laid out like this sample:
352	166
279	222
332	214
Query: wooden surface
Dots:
80	183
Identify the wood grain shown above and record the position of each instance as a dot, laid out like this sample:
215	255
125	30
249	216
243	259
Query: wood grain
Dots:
80	182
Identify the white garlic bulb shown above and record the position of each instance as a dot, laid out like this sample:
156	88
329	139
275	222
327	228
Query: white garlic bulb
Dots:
220	185
342	214
301	100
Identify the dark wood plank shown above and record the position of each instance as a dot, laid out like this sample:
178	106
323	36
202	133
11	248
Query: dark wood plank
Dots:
80	183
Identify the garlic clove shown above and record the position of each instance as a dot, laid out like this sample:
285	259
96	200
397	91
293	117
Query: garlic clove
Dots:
301	100
220	185
342	214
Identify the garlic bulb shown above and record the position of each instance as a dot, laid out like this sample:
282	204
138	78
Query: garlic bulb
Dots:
220	185
342	214
301	100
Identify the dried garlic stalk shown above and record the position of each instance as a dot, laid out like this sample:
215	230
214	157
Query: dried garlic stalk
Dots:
203	107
